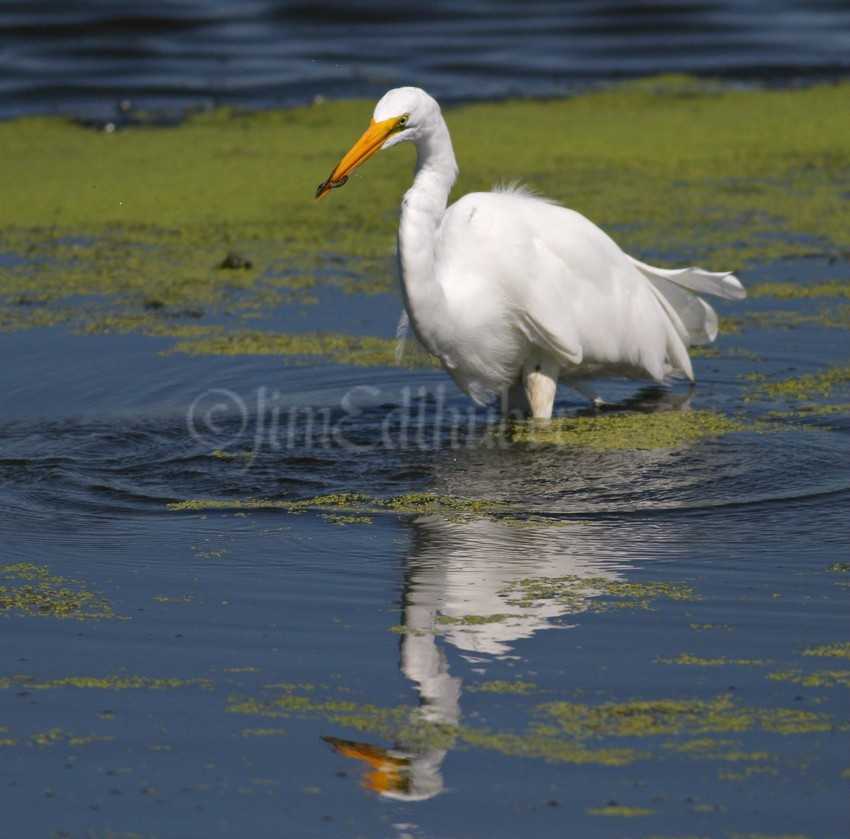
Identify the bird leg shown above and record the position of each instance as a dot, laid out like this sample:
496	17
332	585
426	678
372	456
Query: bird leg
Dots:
540	380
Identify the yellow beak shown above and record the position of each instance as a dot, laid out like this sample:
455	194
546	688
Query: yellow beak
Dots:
369	144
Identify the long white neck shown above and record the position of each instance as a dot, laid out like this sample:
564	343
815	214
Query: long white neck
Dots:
421	213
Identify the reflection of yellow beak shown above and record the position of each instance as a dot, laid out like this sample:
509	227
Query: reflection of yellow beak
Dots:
390	773
369	144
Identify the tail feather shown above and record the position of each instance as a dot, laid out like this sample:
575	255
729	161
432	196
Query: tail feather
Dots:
720	284
677	290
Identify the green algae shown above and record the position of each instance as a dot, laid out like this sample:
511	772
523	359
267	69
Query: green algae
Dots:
816	679
827	317
58	736
840	649
360	350
795	291
31	590
620	811
680	717
357	508
831	383
719	749
541	744
598	594
470	620
719	661
113	683
564	732
633	431
129	230
503	687
261	732
573	592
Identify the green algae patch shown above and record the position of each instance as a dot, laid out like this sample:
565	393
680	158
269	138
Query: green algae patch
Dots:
360	350
287	704
831	383
837	650
31	590
540	744
795	291
826	316
58	736
503	687
632	431
135	229
719	749
111	683
719	661
679	717
607	734
816	679
620	811
599	594
353	508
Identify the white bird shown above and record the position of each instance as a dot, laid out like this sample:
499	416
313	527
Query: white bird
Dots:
514	293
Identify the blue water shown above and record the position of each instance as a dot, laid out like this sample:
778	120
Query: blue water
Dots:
90	56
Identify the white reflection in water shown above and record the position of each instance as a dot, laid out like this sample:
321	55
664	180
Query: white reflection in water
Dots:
461	591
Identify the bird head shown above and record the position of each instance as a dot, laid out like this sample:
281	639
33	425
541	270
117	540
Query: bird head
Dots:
400	117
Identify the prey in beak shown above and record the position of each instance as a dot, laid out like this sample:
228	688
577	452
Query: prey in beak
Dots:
368	145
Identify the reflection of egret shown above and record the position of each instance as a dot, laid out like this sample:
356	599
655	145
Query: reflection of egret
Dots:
459	586
514	293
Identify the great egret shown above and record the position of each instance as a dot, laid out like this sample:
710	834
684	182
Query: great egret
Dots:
514	293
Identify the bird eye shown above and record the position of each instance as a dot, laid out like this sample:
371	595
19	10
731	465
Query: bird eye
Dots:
402	121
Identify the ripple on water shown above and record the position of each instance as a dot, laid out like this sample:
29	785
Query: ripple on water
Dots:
74	473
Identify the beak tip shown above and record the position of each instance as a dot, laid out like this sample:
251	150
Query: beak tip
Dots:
324	188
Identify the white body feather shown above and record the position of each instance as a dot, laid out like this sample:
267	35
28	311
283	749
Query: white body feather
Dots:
507	288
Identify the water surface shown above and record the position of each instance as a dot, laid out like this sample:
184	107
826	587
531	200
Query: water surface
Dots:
91	57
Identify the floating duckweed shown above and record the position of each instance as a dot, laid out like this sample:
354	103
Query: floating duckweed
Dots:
808	387
795	291
840	649
829	317
114	683
502	686
58	736
553	749
620	811
645	718
38	593
664	430
720	661
360	350
352	507
472	620
574	592
709	748
563	731
649	718
817	679
342	520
